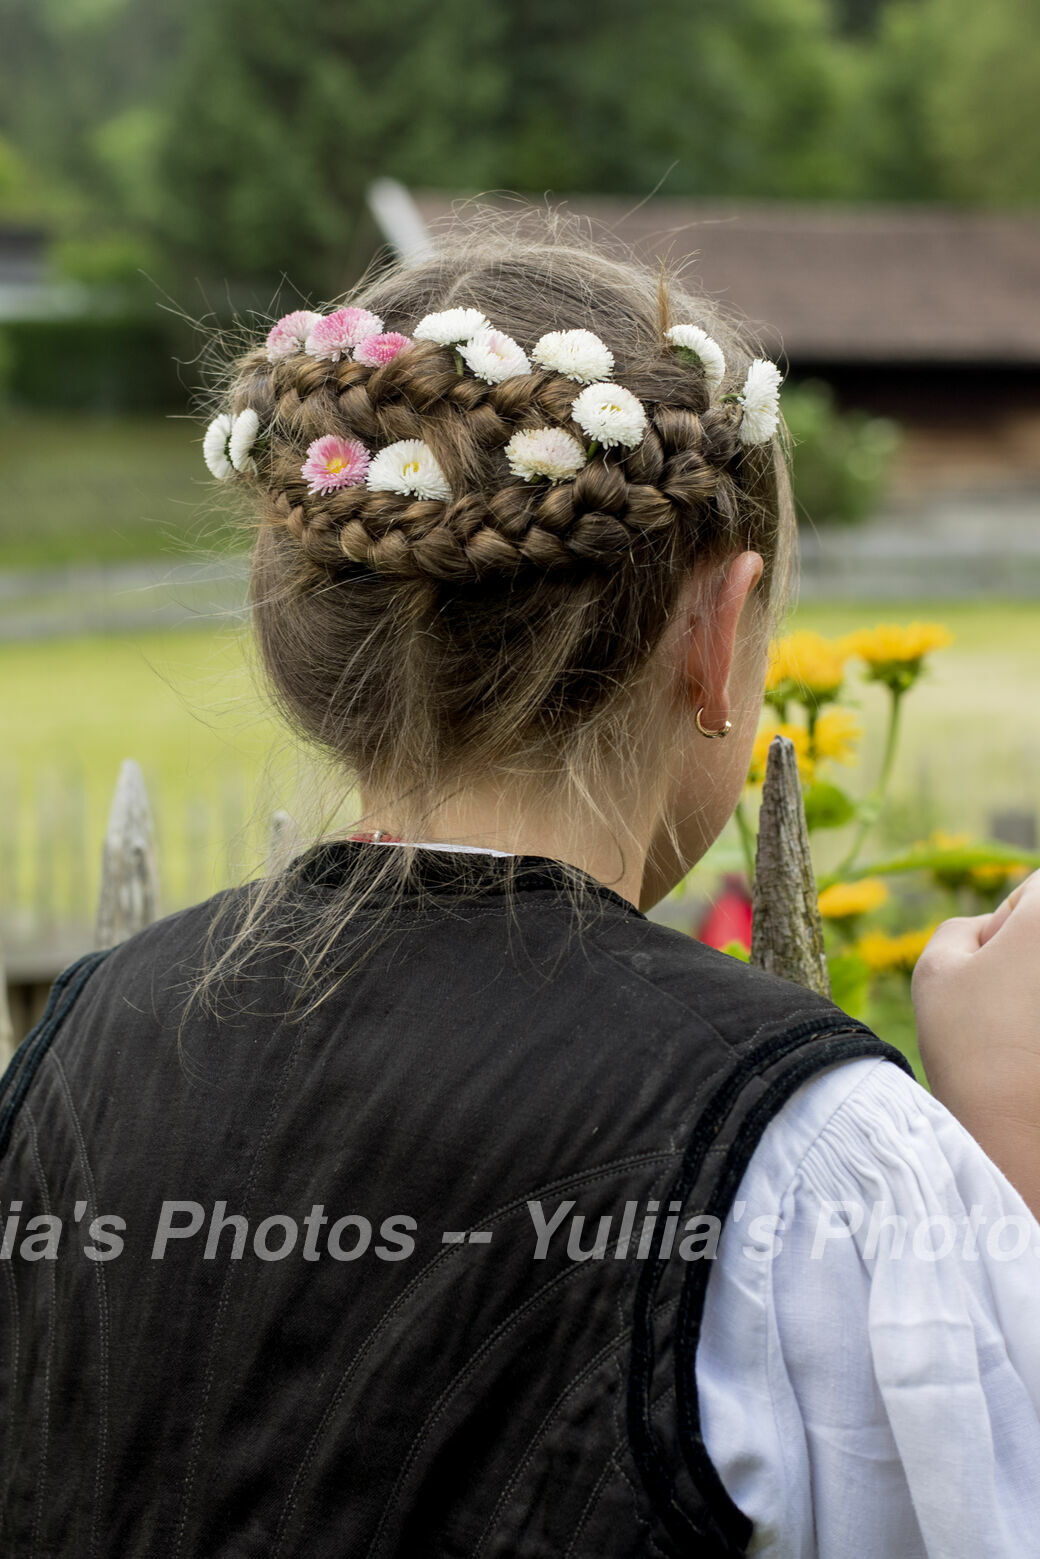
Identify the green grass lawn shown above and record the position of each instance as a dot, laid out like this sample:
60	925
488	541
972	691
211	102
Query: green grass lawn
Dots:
182	704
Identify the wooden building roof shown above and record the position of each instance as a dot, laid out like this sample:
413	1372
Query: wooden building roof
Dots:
834	283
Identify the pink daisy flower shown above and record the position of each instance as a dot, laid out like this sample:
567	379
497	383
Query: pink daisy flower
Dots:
374	351
289	333
333	462
334	334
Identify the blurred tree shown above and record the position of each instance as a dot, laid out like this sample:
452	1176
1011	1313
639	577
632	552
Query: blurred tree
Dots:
750	97
980	98
73	75
281	115
955	84
19	191
238	139
68	66
280	119
858	16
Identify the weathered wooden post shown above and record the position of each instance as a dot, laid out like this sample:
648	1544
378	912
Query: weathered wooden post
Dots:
129	875
786	930
6	1026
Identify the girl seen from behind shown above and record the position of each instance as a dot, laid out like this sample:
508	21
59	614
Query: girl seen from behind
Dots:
465	1209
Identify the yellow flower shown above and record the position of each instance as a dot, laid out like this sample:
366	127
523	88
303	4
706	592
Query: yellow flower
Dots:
836	733
944	841
894	652
760	752
846	900
992	878
893	954
805	666
987	878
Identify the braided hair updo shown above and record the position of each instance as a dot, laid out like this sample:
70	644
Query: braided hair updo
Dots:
422	639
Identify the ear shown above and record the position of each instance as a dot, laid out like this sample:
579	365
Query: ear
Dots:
713	638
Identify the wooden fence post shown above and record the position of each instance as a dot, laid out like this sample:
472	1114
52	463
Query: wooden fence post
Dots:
786	930
6	1026
129	875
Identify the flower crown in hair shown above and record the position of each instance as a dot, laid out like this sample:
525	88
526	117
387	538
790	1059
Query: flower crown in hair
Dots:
610	415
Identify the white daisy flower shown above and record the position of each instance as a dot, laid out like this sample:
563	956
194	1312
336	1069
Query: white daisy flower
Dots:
577	354
408	467
610	415
493	356
550	452
244	429
450	326
215	447
760	399
697	342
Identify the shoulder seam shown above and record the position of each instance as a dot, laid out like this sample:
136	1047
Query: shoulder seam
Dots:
825	1125
839	1115
825	1017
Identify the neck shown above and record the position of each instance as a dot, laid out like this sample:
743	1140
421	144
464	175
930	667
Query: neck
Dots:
616	857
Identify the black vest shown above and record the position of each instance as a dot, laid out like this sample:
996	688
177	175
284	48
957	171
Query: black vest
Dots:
366	1385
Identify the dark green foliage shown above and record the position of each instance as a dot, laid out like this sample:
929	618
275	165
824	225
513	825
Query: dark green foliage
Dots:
220	139
239	139
281	115
827	806
841	460
92	365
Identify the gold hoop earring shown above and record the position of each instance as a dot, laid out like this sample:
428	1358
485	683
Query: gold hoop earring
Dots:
724	731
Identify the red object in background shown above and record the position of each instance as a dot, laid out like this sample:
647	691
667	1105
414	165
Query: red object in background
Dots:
729	918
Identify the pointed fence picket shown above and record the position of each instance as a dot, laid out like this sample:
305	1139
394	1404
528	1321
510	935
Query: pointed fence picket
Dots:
129	896
786	930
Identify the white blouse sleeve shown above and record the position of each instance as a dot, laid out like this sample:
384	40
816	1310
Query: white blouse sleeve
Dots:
864	1393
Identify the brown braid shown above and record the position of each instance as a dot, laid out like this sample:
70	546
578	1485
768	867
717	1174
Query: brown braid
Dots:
498	524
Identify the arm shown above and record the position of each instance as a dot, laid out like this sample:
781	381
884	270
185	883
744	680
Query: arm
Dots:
860	1395
976	995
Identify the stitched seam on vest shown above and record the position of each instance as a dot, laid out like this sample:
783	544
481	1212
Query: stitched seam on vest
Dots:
649	1460
447	1253
102	1299
594	1364
37	1042
503	1329
841	1045
590	1504
650	1537
611	1463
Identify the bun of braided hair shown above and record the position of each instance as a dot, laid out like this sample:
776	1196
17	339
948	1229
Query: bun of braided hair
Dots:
496	525
511	628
